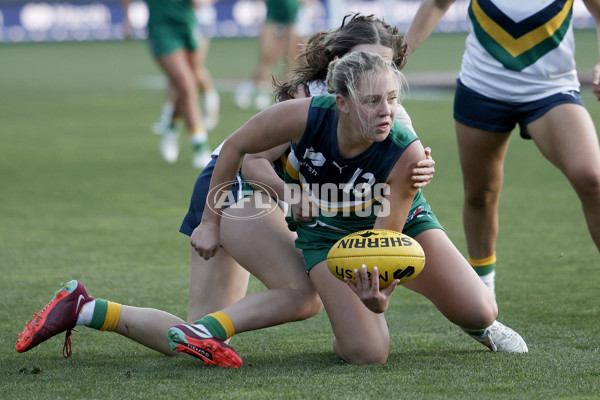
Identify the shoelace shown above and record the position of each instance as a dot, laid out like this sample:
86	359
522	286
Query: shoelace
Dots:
67	345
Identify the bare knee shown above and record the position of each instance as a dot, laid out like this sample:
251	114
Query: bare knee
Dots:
480	198
487	316
362	353
586	183
308	304
481	314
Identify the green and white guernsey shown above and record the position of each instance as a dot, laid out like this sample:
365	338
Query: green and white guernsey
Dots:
347	191
519	50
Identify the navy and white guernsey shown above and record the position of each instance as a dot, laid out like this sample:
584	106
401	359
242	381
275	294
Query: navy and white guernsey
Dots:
346	190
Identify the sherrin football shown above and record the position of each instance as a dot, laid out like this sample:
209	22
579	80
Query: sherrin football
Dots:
396	256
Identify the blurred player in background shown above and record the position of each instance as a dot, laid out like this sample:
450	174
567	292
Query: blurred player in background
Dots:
278	41
126	24
518	68
205	18
172	41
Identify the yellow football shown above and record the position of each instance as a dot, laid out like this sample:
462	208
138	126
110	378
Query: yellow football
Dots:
396	256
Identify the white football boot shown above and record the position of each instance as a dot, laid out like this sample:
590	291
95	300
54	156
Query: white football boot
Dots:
202	156
212	103
243	94
501	339
169	146
263	99
202	151
166	116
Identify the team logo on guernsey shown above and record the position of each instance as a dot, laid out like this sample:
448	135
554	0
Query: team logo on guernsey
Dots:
317	159
414	213
338	166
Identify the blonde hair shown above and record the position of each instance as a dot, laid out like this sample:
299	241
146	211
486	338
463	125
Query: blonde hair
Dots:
346	74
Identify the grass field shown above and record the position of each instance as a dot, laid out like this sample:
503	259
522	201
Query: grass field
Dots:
84	195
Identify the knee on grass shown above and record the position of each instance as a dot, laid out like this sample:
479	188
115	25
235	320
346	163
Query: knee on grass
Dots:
362	353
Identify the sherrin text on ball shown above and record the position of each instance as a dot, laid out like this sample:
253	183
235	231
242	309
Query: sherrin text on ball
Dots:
396	256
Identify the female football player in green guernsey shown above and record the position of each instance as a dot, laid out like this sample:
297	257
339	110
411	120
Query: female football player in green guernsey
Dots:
352	141
171	40
222	280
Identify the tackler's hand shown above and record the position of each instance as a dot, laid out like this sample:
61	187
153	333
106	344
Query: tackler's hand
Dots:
205	240
422	174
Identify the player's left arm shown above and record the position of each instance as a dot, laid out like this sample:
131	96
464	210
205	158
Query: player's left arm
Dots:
593	7
392	215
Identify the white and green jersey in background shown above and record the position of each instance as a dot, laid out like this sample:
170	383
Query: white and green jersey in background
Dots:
520	50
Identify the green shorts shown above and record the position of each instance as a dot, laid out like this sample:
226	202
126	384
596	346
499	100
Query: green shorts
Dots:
283	12
420	220
166	39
